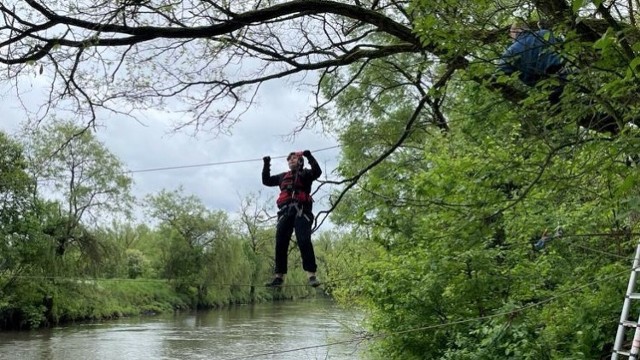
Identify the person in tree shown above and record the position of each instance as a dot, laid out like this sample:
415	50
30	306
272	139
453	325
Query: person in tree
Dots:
294	212
534	56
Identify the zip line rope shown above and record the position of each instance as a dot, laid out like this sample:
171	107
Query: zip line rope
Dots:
165	168
142	280
563	238
219	163
284	156
443	325
598	251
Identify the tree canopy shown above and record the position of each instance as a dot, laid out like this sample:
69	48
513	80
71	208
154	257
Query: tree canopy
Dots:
209	59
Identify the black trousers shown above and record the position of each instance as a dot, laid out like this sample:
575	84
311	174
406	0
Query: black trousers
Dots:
290	220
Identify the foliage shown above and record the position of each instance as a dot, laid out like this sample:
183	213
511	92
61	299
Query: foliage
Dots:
15	203
448	263
49	302
90	183
135	263
448	218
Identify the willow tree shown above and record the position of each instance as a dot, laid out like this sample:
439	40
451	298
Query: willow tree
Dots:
198	247
256	230
17	206
89	183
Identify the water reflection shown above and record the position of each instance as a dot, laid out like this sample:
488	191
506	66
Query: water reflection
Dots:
236	332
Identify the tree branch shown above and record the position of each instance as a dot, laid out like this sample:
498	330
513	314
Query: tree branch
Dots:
354	179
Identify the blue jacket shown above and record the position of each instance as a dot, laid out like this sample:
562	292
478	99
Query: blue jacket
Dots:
532	54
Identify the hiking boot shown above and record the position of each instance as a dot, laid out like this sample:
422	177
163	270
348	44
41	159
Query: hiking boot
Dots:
313	281
276	282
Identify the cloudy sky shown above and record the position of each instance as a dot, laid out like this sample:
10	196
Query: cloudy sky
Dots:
152	144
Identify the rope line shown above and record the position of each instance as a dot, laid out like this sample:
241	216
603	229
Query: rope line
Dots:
217	163
165	168
367	337
72	278
600	251
559	239
79	279
357	339
565	237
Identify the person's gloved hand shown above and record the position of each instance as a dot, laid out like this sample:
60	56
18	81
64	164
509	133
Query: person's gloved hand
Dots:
306	153
267	160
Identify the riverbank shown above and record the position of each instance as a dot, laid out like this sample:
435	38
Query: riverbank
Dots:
36	303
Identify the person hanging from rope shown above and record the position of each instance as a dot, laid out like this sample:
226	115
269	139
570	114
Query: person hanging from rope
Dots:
534	55
294	212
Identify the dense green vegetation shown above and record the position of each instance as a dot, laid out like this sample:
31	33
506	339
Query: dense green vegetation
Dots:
447	268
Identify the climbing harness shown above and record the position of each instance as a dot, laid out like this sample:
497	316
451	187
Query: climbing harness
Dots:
292	189
292	193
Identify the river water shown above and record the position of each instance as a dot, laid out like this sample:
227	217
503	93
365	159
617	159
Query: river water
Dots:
301	330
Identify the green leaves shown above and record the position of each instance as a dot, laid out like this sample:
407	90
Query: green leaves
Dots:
453	217
576	5
88	179
605	41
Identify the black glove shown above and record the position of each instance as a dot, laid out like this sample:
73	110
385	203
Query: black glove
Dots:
306	153
267	160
